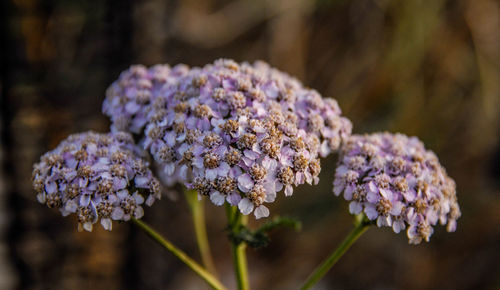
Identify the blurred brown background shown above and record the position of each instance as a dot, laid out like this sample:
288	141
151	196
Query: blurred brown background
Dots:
429	68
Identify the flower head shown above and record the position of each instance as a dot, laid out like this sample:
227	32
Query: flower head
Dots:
240	133
96	176
129	99
395	181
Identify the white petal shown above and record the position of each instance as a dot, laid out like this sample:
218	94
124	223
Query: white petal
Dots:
138	212
169	168
106	224
269	163
261	211
41	197
288	190
138	198
251	154
245	206
397	226
87	226
386	193
308	176
217	198
71	206
245	182
270	197
122	194
278	186
211	174
150	200
141	181
270	187
223	169
396	208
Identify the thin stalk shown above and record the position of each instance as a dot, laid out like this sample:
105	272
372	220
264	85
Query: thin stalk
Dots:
198	213
197	268
321	270
235	220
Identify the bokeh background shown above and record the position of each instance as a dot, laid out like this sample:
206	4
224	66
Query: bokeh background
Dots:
429	68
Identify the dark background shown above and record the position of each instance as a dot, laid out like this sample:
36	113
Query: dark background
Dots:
425	68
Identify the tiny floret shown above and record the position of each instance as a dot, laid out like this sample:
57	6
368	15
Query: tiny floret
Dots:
130	98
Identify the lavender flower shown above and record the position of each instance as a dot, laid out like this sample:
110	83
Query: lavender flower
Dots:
96	176
395	181
241	133
129	98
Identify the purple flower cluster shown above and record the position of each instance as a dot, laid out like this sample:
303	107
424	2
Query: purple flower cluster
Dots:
96	176
241	133
129	99
395	181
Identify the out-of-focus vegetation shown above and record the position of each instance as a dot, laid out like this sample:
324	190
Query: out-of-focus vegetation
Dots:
424	68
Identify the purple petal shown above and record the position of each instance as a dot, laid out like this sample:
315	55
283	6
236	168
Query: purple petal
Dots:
245	182
355	207
223	169
142	181
372	197
119	183
84	200
117	214
348	192
233	198
371	212
132	107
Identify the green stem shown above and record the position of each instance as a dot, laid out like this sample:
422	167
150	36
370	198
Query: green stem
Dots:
198	213
236	221
321	270
197	268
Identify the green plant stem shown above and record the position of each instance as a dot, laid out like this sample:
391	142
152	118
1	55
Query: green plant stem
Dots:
198	213
197	268
321	270
236	220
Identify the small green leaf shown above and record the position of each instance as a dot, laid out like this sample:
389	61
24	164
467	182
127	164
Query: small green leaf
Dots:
259	238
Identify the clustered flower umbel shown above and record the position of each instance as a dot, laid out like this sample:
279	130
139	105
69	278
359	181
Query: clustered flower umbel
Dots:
395	181
128	99
240	133
96	176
